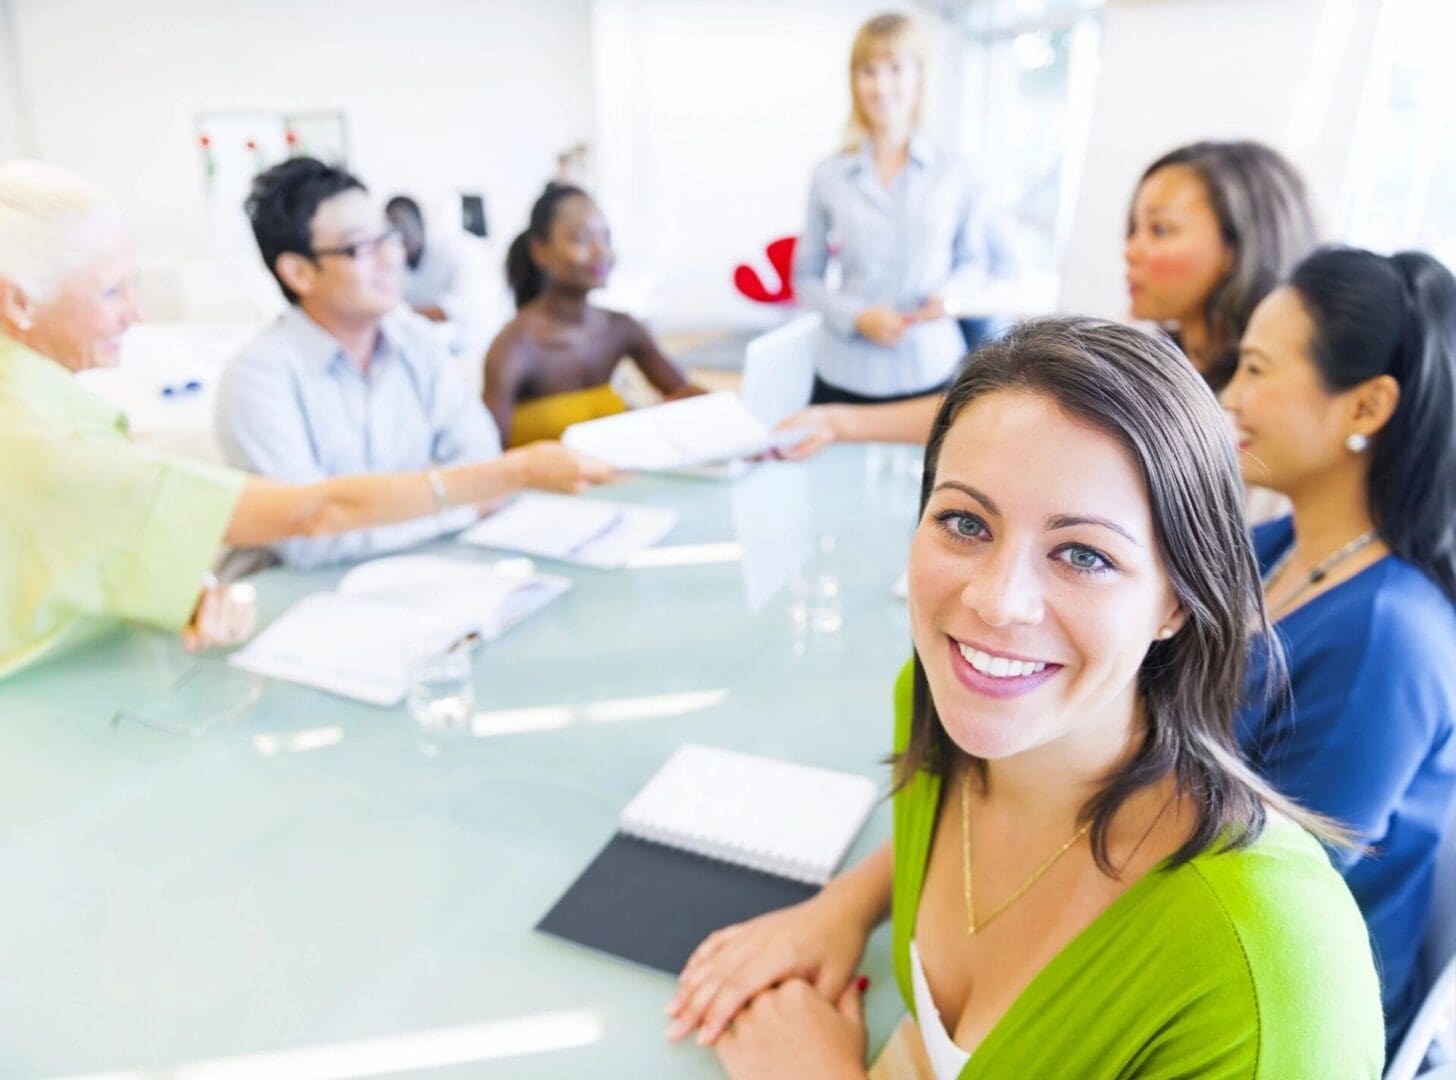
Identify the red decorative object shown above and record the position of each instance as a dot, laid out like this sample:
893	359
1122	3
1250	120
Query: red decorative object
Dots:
251	144
290	137
780	254
205	140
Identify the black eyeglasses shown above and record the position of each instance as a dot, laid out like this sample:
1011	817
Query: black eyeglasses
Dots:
359	248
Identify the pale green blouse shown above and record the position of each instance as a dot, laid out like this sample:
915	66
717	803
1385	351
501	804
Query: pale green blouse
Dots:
92	528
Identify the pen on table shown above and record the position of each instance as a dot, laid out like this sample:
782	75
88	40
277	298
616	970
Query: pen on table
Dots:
175	390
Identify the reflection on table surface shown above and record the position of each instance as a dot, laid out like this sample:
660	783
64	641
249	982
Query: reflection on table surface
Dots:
280	882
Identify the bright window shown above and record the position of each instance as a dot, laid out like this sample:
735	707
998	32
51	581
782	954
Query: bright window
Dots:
1402	189
1026	90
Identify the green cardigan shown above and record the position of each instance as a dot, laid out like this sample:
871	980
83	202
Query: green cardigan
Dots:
1252	963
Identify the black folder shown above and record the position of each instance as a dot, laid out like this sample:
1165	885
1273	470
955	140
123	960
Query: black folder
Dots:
652	904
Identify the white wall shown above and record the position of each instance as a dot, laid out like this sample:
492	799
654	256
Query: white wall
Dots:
1286	72
711	115
706	116
13	129
439	95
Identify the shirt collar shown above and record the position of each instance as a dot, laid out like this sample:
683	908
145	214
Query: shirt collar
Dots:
922	150
45	386
322	348
921	153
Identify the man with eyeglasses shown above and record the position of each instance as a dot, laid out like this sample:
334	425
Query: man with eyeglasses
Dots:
348	380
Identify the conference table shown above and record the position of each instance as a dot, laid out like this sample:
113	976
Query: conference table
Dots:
204	873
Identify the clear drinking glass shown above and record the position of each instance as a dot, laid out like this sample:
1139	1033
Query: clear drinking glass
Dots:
442	688
814	591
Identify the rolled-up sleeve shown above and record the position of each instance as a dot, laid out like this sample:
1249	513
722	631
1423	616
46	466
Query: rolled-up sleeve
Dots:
811	259
96	526
263	428
980	245
465	432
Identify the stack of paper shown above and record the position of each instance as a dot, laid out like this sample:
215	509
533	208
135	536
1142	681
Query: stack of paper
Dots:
356	641
679	434
592	532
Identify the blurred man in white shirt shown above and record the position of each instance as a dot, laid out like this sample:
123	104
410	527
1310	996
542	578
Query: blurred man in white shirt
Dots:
434	269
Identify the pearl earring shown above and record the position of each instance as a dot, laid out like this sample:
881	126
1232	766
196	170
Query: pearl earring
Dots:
1165	633
1356	443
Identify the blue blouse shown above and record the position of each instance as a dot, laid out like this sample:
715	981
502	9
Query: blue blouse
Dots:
1369	741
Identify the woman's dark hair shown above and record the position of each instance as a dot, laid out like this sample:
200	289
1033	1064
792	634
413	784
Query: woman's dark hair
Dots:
282	203
1145	394
1395	315
1264	217
525	277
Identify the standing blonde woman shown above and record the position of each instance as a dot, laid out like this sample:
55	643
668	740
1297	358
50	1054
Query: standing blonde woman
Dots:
1212	228
907	224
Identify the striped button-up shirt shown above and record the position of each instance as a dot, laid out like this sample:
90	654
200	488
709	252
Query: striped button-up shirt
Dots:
293	405
925	235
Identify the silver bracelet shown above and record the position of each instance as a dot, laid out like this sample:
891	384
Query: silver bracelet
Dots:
437	485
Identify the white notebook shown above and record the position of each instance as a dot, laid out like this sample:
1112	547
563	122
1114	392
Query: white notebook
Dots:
796	821
695	431
355	640
592	532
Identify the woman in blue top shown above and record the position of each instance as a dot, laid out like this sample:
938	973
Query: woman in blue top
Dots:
907	225
1345	401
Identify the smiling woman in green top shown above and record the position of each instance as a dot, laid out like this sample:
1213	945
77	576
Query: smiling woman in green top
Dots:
1084	878
94	529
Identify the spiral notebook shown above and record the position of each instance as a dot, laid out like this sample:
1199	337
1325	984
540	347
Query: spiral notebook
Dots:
714	837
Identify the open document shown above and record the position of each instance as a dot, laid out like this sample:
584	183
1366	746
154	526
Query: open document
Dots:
356	640
703	430
591	532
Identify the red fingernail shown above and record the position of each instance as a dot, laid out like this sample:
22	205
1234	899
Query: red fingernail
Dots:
863	982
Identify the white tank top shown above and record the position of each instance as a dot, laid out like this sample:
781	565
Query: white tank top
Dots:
946	1058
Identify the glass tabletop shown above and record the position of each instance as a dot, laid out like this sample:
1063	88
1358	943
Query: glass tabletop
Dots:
298	884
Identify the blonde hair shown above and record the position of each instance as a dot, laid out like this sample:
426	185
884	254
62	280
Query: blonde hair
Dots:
45	215
891	32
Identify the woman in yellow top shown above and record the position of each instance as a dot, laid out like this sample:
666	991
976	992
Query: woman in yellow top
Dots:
1084	879
94	529
549	367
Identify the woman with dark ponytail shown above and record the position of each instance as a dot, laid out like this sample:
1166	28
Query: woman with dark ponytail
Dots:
1345	400
549	367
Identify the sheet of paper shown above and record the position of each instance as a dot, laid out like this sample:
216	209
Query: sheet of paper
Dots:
694	431
640	527
551	526
455	589
355	646
591	532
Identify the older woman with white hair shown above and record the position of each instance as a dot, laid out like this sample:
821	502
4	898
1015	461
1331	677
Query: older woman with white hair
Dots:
96	529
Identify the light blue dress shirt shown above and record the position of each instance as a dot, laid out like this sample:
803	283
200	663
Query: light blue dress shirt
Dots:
925	235
293	406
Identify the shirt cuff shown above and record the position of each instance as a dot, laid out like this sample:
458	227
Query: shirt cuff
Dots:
840	310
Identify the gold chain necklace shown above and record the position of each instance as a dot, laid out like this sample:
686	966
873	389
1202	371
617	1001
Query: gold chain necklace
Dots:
973	927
